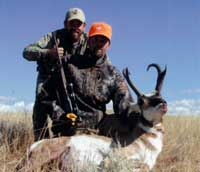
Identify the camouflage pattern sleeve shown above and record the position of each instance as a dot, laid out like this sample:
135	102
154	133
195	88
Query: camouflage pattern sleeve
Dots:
121	96
38	50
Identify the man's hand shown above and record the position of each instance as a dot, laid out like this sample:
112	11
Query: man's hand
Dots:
56	51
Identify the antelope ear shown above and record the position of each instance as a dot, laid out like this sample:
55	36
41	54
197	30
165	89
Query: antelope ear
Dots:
146	103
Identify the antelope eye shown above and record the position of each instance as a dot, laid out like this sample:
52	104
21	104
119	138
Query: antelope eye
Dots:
155	102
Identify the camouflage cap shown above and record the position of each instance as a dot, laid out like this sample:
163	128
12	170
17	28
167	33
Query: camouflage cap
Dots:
75	13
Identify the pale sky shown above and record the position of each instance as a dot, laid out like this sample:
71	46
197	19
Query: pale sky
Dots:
164	32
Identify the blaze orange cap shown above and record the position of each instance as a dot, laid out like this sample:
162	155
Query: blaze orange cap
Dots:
101	28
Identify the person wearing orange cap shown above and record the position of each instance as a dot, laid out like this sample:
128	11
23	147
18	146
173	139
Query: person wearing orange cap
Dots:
96	81
71	39
99	38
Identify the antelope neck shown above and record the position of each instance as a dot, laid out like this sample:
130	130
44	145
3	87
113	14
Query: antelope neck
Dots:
145	121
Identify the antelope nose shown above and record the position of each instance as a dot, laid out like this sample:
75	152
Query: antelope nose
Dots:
164	108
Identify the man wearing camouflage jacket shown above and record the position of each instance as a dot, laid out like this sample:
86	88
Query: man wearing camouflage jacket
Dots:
96	82
71	39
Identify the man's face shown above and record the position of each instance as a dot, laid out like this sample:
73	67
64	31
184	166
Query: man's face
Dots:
98	45
75	28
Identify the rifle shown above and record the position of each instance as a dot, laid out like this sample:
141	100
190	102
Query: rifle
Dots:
69	103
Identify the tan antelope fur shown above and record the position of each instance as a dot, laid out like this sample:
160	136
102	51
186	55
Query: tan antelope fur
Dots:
140	144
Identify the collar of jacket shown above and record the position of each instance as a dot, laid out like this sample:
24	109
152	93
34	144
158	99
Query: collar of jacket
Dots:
100	61
96	61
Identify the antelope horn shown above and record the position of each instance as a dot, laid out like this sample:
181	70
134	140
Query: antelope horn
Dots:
160	78
126	76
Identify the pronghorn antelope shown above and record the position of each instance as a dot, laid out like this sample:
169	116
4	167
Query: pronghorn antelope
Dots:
140	144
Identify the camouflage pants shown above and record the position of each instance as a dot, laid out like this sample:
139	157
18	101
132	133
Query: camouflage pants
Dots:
41	111
39	118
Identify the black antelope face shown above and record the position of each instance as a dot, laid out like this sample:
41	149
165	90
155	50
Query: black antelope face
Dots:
153	106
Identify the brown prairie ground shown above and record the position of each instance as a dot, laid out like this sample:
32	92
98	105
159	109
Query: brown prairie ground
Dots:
181	152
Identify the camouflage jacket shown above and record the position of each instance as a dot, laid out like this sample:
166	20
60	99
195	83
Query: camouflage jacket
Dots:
38	51
97	82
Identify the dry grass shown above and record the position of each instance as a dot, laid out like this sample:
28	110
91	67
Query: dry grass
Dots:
16	135
181	152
